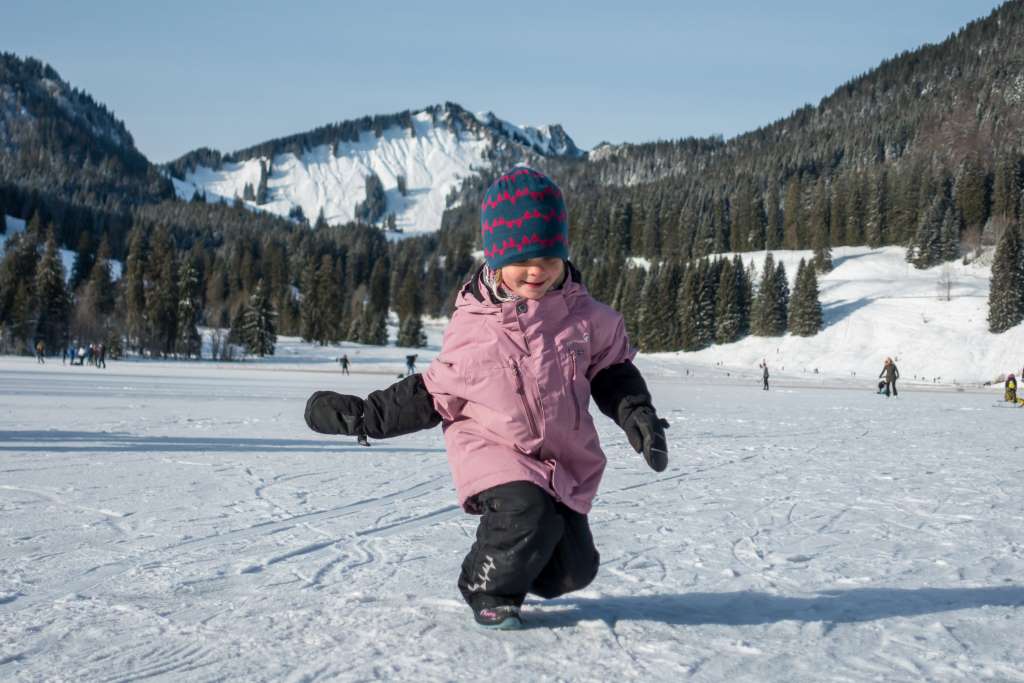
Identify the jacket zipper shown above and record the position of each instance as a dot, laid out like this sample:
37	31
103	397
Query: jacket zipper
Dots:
521	390
572	388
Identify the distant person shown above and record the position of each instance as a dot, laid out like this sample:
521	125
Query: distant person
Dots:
410	364
101	356
764	373
343	361
81	355
1010	389
40	351
891	373
64	355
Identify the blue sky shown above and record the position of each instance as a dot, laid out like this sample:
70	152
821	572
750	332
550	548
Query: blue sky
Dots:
230	74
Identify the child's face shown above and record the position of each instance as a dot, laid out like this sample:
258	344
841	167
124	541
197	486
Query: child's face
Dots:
532	279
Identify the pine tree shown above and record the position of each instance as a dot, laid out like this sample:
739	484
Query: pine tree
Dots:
93	309
629	301
85	257
950	235
745	292
822	242
374	323
309	306
926	249
709	274
793	214
818	224
1006	291
774	224
688	307
259	332
1006	187
762	321
18	268
133	291
781	313
53	304
216	310
162	294
22	315
721	225
876	205
187	340
410	313
972	193
805	316
728	311
650	312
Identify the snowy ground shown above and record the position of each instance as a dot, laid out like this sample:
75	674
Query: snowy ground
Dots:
177	521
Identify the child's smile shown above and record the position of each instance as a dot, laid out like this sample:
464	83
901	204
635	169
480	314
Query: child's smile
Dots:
532	279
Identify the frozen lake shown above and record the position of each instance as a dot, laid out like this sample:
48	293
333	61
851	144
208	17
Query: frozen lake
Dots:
178	521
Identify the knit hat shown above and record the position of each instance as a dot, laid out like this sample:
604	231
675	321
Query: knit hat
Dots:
523	217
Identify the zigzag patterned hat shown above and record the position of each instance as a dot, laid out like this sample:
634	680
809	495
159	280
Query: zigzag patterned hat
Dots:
523	217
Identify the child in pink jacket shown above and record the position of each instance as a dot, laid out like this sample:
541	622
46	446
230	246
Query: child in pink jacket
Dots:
526	349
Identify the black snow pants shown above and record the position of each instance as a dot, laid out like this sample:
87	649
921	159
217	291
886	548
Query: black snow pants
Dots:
526	543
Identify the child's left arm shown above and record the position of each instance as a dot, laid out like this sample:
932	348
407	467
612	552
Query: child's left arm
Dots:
621	393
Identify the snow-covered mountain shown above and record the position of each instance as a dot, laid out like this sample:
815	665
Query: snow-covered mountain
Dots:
419	158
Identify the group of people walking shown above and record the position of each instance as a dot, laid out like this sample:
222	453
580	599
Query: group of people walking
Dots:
86	354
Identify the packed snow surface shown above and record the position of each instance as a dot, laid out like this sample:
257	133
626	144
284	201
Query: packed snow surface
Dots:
178	521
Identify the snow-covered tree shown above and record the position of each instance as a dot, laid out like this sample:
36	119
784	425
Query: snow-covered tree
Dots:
805	317
53	303
188	342
728	311
258	323
1006	291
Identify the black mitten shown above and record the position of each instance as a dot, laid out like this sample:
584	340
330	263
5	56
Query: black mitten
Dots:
646	434
328	412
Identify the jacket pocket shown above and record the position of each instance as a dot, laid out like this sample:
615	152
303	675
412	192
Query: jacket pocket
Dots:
521	392
575	360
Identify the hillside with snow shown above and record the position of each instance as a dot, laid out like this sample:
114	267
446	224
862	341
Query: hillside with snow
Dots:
420	159
16	225
875	305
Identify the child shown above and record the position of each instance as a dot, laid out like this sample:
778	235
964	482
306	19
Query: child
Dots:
1010	389
526	349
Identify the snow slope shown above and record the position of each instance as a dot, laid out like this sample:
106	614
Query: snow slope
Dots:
434	157
877	305
178	521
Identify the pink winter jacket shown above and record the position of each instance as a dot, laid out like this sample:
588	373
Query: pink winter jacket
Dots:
512	385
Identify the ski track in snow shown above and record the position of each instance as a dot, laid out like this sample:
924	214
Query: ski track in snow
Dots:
168	525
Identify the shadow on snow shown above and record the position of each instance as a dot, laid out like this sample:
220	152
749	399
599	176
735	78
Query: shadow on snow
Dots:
834	312
109	442
753	608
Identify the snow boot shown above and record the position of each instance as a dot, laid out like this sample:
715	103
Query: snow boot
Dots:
502	617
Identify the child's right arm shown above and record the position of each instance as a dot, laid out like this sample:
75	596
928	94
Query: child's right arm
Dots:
402	408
